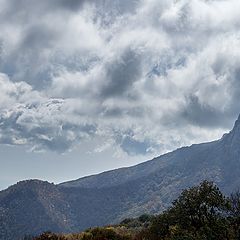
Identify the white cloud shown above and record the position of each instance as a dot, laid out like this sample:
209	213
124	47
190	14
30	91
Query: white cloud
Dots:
146	76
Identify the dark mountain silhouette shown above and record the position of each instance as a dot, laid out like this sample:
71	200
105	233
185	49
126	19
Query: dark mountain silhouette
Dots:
31	207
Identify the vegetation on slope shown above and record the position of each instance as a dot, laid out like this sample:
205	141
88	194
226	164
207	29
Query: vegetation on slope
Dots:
199	213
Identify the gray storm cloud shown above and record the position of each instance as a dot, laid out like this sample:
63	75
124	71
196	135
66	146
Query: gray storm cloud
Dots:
146	75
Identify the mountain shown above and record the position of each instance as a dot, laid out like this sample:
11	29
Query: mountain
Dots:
31	207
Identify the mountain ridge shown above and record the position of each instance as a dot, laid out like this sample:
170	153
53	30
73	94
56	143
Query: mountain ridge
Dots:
141	167
112	196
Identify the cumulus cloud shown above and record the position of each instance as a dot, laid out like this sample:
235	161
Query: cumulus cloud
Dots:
146	76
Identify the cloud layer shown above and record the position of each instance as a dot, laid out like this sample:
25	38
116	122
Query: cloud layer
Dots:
146	76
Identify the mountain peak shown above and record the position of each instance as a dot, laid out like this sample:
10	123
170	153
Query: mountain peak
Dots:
237	124
236	128
231	140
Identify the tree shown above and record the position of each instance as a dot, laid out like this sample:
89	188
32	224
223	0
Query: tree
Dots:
202	209
160	227
234	208
198	213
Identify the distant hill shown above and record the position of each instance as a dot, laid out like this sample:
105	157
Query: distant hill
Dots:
35	206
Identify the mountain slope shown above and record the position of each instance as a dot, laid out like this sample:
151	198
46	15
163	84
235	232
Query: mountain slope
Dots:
150	187
32	207
218	161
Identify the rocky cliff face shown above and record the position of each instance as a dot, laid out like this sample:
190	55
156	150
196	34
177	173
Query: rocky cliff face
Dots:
35	206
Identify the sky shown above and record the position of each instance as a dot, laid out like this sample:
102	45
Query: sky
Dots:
92	85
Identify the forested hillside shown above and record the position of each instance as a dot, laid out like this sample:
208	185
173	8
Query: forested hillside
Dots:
201	212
